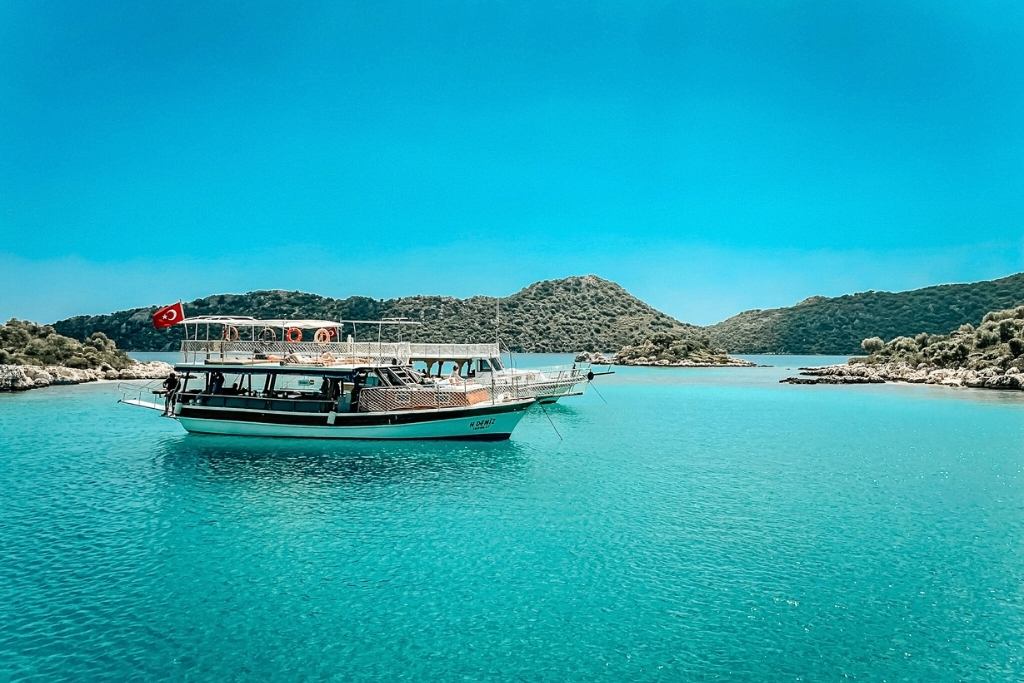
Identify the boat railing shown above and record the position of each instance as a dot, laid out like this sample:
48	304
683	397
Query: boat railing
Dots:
147	394
443	393
195	350
427	351
386	399
292	403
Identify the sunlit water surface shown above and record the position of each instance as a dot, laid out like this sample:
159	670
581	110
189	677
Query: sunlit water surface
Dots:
688	524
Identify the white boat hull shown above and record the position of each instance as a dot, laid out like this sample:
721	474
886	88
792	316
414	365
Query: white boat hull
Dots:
481	427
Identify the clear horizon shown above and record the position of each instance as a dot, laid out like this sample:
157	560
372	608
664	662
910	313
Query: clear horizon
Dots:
710	158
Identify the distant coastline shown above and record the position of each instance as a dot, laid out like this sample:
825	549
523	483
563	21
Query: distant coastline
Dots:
589	312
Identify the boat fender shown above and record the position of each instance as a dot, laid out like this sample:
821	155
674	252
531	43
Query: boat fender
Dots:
322	336
293	335
231	333
590	375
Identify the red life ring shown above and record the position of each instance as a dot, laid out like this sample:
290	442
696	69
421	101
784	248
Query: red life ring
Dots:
293	335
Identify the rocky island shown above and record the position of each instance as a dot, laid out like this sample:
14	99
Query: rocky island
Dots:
989	356
34	356
677	350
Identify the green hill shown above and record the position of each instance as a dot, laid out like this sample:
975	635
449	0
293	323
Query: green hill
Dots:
572	314
839	324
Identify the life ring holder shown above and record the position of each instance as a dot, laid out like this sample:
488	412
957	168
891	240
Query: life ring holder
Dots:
268	334
322	336
230	333
293	335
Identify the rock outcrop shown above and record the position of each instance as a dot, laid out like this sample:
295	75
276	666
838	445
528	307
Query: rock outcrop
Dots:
654	361
862	373
669	350
594	358
24	377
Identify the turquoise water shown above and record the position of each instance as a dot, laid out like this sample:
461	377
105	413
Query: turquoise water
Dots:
700	524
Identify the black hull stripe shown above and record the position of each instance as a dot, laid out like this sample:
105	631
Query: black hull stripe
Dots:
340	437
345	419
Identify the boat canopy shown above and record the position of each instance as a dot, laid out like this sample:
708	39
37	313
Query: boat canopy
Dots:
334	371
245	321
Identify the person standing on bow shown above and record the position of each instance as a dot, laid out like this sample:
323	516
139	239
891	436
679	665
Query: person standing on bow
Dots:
170	393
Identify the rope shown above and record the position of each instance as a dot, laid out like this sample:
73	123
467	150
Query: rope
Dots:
545	411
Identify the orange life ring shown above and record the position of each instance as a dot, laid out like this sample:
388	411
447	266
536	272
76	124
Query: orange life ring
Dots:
293	335
322	336
230	333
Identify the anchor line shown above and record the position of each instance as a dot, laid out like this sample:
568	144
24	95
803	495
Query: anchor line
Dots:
545	411
594	387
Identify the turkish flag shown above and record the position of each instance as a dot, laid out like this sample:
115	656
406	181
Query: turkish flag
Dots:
168	316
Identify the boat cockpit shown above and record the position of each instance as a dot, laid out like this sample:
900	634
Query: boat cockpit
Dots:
298	389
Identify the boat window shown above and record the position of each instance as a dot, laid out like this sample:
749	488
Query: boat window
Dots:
496	363
483	365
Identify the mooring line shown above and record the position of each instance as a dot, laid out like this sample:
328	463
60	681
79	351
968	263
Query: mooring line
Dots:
545	411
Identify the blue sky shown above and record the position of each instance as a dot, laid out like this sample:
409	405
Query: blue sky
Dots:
710	157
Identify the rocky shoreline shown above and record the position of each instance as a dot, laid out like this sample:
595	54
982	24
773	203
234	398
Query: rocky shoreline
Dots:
597	358
655	363
860	373
25	377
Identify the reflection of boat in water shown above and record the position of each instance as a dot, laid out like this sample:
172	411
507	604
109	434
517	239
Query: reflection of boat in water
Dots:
263	378
310	463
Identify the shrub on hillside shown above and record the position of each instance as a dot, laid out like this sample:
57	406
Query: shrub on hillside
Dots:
27	343
998	342
872	344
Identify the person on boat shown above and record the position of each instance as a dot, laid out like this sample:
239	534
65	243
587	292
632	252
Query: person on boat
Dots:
170	393
217	382
455	377
325	388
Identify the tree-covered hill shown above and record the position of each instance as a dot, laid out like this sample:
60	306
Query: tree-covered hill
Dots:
572	314
839	324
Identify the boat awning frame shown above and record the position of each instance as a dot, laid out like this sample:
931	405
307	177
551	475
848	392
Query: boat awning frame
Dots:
243	321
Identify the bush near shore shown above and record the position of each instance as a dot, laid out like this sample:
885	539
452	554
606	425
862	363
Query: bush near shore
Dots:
27	343
996	343
989	356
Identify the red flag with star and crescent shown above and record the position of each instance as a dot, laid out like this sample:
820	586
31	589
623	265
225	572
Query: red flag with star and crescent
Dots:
168	316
